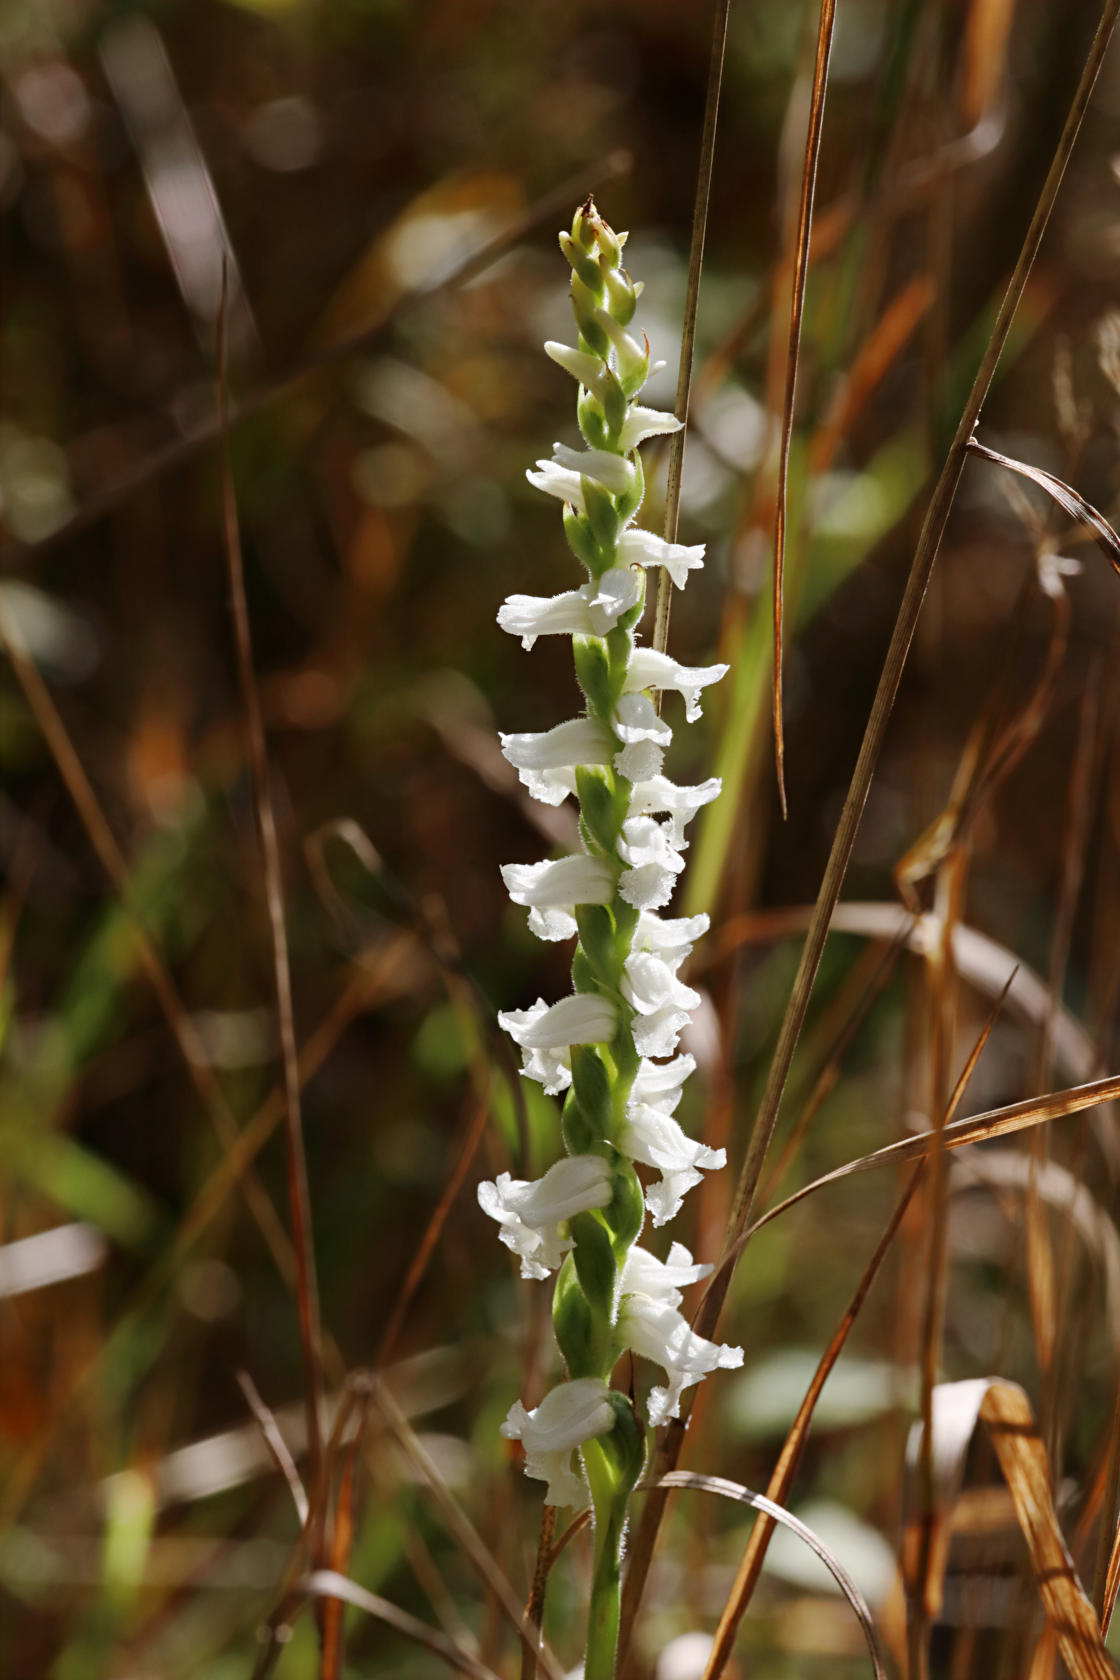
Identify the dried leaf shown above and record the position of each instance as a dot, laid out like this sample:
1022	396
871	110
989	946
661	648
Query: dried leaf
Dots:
1070	502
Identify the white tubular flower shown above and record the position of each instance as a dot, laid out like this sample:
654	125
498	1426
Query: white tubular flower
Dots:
651	986
546	1035
660	1083
530	616
642	423
680	804
650	669
557	481
654	862
609	596
652	1136
614	472
547	762
671	939
567	1416
552	890
661	1280
651	1326
532	1214
644	736
642	548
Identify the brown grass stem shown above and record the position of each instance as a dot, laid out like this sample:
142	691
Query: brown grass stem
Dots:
306	1287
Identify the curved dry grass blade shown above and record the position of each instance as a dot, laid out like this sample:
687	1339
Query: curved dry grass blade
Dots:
793	353
341	1540
275	1443
1068	499
692	301
328	1584
974	1128
1004	1408
299	1201
781	1480
778	1513
461	1529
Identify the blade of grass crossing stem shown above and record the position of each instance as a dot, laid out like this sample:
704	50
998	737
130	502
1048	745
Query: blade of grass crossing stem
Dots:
793	353
925	555
692	300
789	1458
307	1294
327	1584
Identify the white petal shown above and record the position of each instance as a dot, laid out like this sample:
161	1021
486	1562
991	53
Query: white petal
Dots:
647	847
557	481
650	669
530	616
546	762
649	984
642	423
660	1082
552	891
582	1018
671	939
614	472
659	1034
568	1416
609	596
657	1331
642	548
640	761
636	719
652	1136
531	1213
657	793
661	1280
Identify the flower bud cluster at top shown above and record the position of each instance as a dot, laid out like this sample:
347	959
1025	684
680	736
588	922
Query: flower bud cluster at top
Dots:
611	1045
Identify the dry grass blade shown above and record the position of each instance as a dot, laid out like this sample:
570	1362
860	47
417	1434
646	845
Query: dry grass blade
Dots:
692	301
1005	1409
796	315
307	1294
462	1530
1068	499
275	1443
534	1610
778	1514
974	1128
328	1584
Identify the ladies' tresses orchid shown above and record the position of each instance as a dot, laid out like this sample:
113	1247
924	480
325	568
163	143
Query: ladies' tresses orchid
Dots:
603	1045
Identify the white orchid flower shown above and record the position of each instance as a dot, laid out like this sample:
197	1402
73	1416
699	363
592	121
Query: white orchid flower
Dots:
568	1416
654	861
614	472
546	1034
650	669
552	890
533	1214
680	804
643	548
530	616
644	736
642	423
610	595
652	1136
650	1325
546	762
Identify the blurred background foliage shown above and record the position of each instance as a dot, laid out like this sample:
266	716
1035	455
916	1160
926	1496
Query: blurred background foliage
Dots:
344	159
